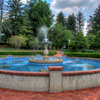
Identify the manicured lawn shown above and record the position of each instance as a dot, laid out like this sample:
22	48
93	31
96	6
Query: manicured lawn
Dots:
12	50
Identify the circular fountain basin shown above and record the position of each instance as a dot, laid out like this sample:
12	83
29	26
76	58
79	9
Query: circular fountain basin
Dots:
68	64
23	75
46	61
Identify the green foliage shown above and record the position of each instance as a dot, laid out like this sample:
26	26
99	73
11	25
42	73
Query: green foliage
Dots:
90	39
18	41
79	42
15	10
32	42
59	36
94	22
60	18
71	23
40	14
97	40
80	54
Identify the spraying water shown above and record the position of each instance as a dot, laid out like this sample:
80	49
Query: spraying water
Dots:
43	32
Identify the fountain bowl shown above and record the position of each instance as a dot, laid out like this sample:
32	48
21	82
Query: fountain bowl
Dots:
46	59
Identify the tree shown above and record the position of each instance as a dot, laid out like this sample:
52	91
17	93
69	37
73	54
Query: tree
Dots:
97	40
95	21
80	21
60	18
15	10
80	41
39	14
91	26
32	42
90	38
59	36
1	9
71	23
26	28
1	16
18	41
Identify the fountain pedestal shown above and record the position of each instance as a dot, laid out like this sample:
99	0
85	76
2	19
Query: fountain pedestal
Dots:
46	52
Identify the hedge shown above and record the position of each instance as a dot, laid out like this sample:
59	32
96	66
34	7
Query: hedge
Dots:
25	53
81	54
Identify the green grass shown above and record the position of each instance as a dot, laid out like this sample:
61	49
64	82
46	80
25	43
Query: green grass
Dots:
1	56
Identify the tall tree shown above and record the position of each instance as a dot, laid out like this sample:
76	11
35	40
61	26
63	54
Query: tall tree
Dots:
1	9
1	16
40	14
71	23
91	25
15	15
60	18
80	21
95	21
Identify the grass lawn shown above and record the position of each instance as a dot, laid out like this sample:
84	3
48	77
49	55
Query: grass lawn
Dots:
14	50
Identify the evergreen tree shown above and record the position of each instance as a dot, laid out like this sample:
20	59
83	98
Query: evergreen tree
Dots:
15	15
40	14
80	21
91	25
27	27
71	23
1	9
95	22
60	19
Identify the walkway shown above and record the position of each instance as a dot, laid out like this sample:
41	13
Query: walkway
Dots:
85	94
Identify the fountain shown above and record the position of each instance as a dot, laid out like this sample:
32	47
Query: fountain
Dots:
45	59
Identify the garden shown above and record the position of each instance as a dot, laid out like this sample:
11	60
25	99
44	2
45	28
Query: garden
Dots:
46	51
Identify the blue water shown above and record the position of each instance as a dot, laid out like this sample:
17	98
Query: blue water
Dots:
69	64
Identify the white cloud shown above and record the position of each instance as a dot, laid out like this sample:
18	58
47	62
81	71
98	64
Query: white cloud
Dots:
73	6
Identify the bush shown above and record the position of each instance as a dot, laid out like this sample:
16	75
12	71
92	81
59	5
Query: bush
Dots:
25	53
81	54
18	41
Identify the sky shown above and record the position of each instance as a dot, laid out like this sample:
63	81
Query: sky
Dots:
87	7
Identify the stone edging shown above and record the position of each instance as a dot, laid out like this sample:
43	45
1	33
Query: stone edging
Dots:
81	72
20	73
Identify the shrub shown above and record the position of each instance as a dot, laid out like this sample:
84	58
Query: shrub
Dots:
81	54
25	53
18	41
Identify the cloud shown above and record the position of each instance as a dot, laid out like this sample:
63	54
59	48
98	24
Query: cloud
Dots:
73	6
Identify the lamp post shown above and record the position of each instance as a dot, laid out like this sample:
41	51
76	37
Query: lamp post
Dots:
69	41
